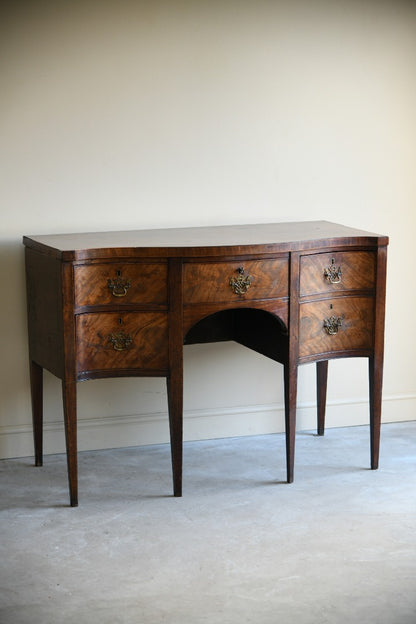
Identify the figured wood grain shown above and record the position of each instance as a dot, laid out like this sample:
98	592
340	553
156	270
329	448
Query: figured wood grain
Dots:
209	282
180	291
358	271
148	332
356	331
147	283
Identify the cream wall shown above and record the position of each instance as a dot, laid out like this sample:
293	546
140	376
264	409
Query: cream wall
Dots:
118	115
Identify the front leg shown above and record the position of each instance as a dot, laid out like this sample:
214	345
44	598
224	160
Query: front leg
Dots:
290	382
36	388
175	404
321	386
376	381
69	394
175	373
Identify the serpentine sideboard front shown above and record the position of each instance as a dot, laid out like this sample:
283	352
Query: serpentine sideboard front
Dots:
115	304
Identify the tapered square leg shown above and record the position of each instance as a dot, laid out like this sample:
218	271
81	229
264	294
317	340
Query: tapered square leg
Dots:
175	374
321	386
175	403
36	387
375	363
290	383
69	394
375	382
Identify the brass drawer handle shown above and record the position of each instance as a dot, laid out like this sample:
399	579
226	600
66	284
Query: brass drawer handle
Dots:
240	285
120	341
332	324
333	273
119	286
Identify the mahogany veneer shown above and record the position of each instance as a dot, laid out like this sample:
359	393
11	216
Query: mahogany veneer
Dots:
114	304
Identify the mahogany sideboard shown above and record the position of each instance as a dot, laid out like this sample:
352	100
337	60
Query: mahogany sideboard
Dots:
114	304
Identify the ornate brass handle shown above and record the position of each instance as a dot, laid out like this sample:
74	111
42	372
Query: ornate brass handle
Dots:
119	286
333	273
120	341
332	324
240	285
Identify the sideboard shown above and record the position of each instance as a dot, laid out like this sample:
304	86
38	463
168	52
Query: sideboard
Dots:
114	304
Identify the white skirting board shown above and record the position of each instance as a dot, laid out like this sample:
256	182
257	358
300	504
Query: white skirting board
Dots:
144	429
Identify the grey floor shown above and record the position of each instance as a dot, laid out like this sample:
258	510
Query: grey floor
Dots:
337	546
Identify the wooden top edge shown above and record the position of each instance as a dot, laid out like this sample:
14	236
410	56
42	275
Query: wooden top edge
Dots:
202	241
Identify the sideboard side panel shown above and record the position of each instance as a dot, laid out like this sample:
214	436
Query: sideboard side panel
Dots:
44	310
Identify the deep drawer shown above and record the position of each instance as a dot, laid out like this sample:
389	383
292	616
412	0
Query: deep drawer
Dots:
118	341
347	325
110	283
330	272
233	281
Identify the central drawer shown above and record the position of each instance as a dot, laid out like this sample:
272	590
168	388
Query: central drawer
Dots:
112	340
225	282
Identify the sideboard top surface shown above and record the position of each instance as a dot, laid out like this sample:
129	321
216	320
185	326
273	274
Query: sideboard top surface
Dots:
203	241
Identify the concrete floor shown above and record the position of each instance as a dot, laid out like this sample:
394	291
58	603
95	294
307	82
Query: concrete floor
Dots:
337	546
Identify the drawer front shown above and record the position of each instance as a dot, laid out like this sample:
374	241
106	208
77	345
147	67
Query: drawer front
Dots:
347	325
109	283
233	281
329	272
118	341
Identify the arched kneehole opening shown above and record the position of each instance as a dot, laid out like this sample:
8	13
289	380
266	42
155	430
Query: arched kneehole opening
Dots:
256	329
